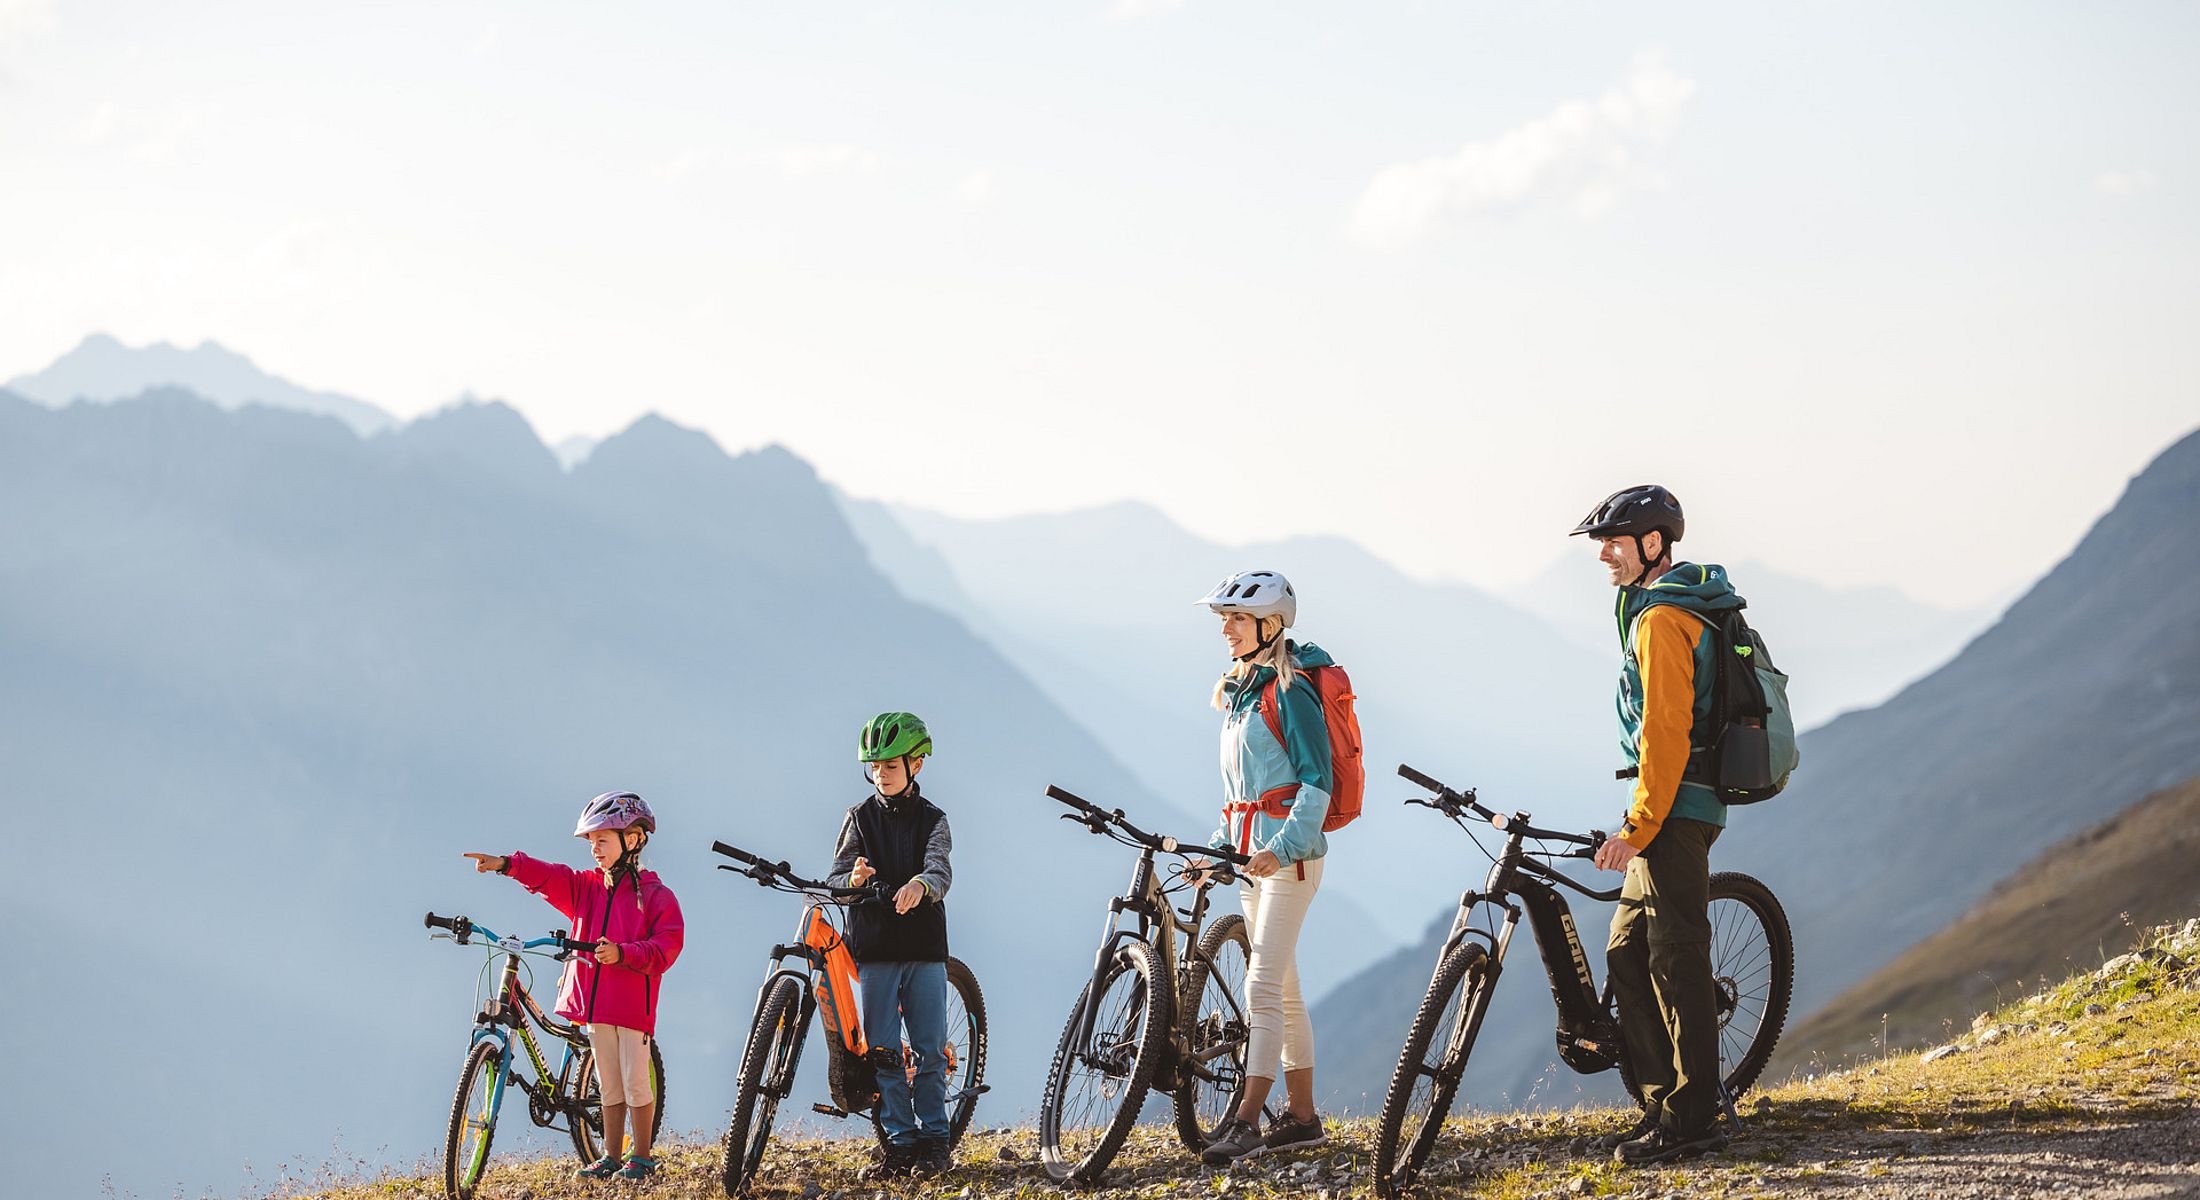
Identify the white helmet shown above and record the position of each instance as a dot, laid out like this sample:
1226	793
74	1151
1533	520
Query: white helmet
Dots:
1261	593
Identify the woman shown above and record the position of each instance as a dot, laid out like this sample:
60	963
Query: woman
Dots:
1276	794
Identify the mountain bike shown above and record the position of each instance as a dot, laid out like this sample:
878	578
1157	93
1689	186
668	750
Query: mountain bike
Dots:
1752	962
815	973
1149	1019
568	1094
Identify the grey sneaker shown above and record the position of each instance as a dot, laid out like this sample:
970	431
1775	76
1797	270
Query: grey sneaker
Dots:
1235	1140
894	1162
1289	1133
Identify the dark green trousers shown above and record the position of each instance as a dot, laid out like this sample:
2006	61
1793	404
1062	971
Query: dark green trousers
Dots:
1660	961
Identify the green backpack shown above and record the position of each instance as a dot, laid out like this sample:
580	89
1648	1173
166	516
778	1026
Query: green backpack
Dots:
1751	751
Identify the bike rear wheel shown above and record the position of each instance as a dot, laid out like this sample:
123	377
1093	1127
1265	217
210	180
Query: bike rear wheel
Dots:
766	1076
587	1116
1753	966
1426	1079
481	1084
1212	1083
966	1047
1097	1083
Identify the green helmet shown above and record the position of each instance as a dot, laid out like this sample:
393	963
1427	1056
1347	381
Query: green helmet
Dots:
891	735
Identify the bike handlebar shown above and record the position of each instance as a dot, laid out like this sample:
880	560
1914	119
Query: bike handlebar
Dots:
1097	818
1450	803
763	872
463	929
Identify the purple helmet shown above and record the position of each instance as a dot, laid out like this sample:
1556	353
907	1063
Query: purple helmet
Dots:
615	810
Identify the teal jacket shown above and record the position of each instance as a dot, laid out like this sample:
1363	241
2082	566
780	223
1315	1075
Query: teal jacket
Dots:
1275	796
1665	736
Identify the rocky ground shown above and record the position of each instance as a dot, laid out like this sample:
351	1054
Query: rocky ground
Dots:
2087	1089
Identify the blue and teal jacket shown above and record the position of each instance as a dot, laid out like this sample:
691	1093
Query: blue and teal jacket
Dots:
1667	672
1276	795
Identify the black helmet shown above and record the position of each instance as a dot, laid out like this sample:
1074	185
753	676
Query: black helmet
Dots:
1635	511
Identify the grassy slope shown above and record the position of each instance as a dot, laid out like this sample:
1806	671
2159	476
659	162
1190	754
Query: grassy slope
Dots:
2078	903
2112	1053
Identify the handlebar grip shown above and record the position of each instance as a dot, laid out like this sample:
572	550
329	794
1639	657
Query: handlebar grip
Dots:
1412	776
735	852
435	922
1070	798
1226	855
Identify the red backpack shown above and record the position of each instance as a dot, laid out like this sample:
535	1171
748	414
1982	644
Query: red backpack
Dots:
1348	776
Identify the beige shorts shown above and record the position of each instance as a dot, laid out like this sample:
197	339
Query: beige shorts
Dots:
622	1065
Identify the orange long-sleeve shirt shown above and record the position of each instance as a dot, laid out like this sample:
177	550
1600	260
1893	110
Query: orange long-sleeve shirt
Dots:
1665	656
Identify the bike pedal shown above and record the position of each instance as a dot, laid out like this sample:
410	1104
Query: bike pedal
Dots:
827	1110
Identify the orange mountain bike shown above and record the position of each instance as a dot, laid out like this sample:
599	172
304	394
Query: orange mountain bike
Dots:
813	974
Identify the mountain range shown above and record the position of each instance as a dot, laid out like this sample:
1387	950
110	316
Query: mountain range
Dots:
266	679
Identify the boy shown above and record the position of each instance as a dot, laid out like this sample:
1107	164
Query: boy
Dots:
899	839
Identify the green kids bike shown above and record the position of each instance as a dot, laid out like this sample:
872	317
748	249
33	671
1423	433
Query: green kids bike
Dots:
564	1100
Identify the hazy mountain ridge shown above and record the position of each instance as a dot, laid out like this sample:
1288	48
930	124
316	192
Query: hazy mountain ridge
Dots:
102	369
277	676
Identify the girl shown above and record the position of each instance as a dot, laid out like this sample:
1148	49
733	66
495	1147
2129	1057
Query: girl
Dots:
1275	797
636	925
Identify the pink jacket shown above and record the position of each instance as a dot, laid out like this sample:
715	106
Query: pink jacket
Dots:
644	922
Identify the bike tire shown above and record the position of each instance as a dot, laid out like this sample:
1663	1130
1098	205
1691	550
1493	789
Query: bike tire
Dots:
1753	962
1435	1053
1144	1020
773	1036
1202	1105
968	1074
480	1088
586	1117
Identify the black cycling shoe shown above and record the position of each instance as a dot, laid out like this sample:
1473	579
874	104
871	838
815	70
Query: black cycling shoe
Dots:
894	1162
1662	1145
1611	1141
930	1157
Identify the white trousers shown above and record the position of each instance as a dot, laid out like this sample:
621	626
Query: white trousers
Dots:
1275	908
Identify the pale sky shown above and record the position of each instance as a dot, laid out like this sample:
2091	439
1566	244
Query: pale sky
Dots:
1886	292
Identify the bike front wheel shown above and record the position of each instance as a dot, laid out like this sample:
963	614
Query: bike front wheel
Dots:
1099	1078
587	1119
766	1075
1211	1082
1426	1080
481	1084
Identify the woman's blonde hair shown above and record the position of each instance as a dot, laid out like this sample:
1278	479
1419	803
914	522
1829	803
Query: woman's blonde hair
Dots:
1277	655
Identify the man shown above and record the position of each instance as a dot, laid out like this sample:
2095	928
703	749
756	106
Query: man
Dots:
1659	954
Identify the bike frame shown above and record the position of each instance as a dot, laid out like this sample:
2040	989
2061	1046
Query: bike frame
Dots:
1588	1037
1159	925
511	1007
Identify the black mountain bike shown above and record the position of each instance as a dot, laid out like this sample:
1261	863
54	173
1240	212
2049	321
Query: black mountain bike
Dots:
1752	960
1147	1019
823	975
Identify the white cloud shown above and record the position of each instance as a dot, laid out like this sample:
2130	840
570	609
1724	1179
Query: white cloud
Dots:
154	136
2124	183
827	160
977	187
21	19
682	165
1584	155
1134	10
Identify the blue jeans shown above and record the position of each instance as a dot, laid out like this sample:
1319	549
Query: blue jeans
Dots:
911	997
